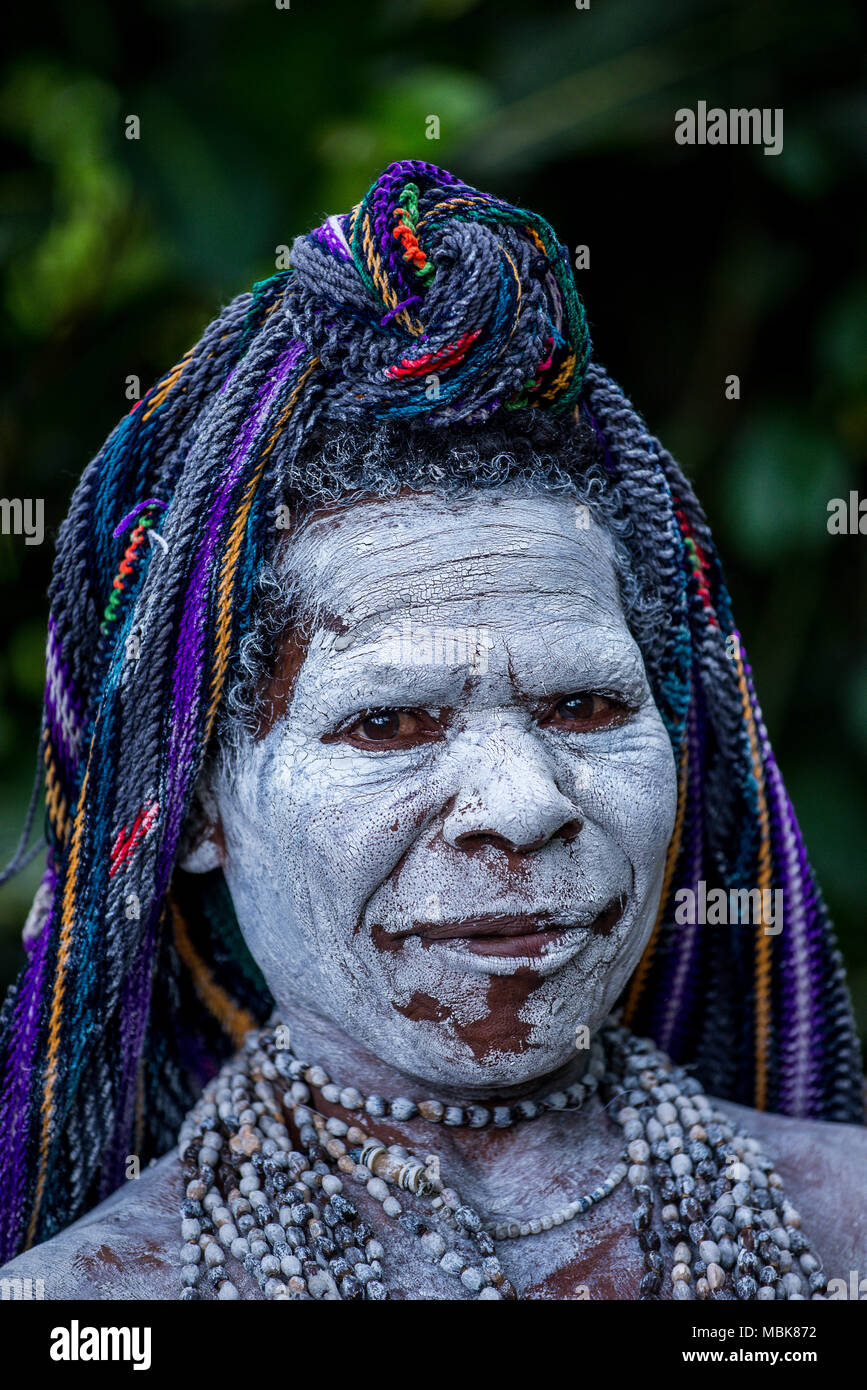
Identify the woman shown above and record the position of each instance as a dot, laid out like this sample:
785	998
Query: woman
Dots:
392	686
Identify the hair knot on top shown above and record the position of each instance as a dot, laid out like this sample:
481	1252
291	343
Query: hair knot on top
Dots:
432	298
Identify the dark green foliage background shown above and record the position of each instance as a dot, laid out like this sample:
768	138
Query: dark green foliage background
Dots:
706	261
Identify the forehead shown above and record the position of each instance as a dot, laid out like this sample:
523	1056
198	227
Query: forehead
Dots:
480	552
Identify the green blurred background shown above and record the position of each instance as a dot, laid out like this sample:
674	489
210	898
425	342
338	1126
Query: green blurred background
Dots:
704	261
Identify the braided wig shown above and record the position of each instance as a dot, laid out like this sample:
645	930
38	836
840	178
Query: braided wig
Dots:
430	311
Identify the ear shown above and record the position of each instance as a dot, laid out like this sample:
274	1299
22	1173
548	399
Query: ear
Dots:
202	845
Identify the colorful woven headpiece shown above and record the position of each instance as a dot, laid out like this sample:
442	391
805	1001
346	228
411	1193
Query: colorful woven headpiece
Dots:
429	300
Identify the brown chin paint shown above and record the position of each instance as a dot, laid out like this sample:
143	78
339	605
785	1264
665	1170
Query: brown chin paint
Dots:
497	1031
423	1008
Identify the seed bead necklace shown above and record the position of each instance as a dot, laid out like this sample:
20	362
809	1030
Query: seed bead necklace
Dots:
255	1199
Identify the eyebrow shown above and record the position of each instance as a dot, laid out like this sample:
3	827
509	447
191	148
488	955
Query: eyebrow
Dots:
613	665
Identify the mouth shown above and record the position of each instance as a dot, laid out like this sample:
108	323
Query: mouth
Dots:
524	936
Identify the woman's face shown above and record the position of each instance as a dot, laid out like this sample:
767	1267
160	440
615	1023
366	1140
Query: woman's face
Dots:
451	839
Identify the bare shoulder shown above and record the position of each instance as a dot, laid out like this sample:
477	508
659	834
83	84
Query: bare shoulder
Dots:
126	1248
824	1170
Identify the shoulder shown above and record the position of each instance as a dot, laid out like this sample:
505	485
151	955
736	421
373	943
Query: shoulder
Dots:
824	1172
126	1248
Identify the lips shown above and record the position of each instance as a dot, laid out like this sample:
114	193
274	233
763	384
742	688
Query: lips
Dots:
508	934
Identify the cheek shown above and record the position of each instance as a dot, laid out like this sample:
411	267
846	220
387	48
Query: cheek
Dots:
648	802
626	783
334	826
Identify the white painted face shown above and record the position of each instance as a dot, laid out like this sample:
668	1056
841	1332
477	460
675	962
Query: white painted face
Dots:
451	841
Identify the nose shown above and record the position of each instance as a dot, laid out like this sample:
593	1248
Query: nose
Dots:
509	797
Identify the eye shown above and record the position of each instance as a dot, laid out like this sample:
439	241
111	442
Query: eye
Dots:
584	711
390	728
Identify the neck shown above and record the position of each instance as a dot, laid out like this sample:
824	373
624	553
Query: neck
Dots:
318	1041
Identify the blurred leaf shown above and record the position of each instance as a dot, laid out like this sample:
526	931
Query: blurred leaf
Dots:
394	127
832	809
856	707
26	656
781	476
841	338
70	123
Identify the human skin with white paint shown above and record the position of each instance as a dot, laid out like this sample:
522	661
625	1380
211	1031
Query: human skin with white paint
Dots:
482	850
447	872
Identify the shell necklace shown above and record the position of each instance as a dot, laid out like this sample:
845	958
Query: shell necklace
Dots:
280	1208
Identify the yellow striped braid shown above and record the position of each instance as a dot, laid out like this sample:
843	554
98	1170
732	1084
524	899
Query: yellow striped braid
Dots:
235	1022
763	1006
233	551
50	1082
168	385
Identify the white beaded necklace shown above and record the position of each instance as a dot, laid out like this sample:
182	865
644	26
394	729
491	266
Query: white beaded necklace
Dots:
281	1211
